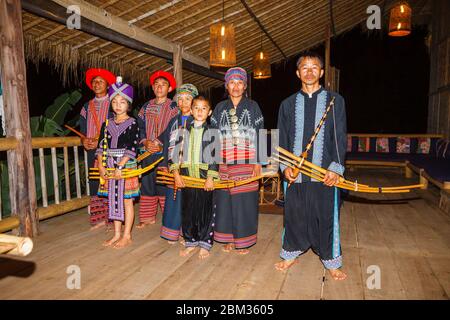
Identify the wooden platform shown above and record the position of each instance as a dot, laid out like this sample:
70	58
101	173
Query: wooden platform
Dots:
406	236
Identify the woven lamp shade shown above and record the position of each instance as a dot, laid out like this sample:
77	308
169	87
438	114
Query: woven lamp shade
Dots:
400	20
222	48
261	65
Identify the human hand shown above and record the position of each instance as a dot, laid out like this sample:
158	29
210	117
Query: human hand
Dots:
103	172
289	175
179	182
331	179
117	174
209	184
257	170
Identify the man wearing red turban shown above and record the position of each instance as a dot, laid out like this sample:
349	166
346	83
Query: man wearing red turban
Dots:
92	116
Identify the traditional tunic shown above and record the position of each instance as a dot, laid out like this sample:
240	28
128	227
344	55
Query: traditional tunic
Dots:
153	119
197	213
172	138
121	140
92	116
311	211
237	208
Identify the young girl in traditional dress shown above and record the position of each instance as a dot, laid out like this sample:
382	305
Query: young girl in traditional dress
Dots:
197	212
116	151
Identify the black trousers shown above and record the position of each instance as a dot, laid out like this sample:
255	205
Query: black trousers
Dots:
197	218
311	220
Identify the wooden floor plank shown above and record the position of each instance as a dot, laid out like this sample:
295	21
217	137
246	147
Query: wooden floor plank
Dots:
221	277
418	278
407	236
303	280
352	287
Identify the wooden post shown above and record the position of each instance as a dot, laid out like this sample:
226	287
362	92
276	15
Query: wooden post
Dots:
249	84
327	58
20	160
408	172
423	180
178	64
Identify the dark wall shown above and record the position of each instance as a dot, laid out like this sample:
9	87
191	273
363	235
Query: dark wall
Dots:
384	81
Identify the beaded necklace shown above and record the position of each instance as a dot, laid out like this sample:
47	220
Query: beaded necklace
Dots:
105	144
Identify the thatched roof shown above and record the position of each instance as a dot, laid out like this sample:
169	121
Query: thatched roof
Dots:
294	24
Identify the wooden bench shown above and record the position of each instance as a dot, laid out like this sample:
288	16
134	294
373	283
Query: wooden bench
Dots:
424	177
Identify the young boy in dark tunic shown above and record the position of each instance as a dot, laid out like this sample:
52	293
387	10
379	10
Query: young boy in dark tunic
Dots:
197	213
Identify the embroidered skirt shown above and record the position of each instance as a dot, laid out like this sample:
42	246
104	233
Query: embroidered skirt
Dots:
131	184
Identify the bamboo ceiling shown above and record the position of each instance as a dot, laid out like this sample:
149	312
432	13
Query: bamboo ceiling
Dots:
295	25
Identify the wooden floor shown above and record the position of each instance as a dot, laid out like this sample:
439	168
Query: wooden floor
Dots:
406	236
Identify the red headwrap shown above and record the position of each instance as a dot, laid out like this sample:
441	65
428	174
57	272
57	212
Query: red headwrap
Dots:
109	77
165	75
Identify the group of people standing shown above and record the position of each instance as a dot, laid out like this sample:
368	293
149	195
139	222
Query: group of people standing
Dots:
199	217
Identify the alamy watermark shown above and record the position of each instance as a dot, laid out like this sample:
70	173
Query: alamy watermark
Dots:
74	20
374	280
374	19
74	279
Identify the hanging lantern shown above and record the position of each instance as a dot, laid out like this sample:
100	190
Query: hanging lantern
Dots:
261	65
222	51
400	20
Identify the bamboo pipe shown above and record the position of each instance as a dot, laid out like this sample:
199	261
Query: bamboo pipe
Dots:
18	246
166	177
347	185
132	173
305	166
322	170
143	156
343	186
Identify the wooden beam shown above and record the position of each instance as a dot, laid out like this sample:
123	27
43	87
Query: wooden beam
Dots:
103	18
327	57
22	189
100	23
178	64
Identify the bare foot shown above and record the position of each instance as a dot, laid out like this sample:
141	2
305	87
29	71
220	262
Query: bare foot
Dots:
285	264
171	242
122	243
97	226
337	274
181	241
111	241
142	225
243	251
228	247
186	251
203	254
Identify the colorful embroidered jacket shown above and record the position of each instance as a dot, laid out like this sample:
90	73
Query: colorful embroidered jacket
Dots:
198	156
153	119
239	130
93	115
122	140
298	117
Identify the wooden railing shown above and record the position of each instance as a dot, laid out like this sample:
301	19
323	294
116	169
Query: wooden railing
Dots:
74	199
